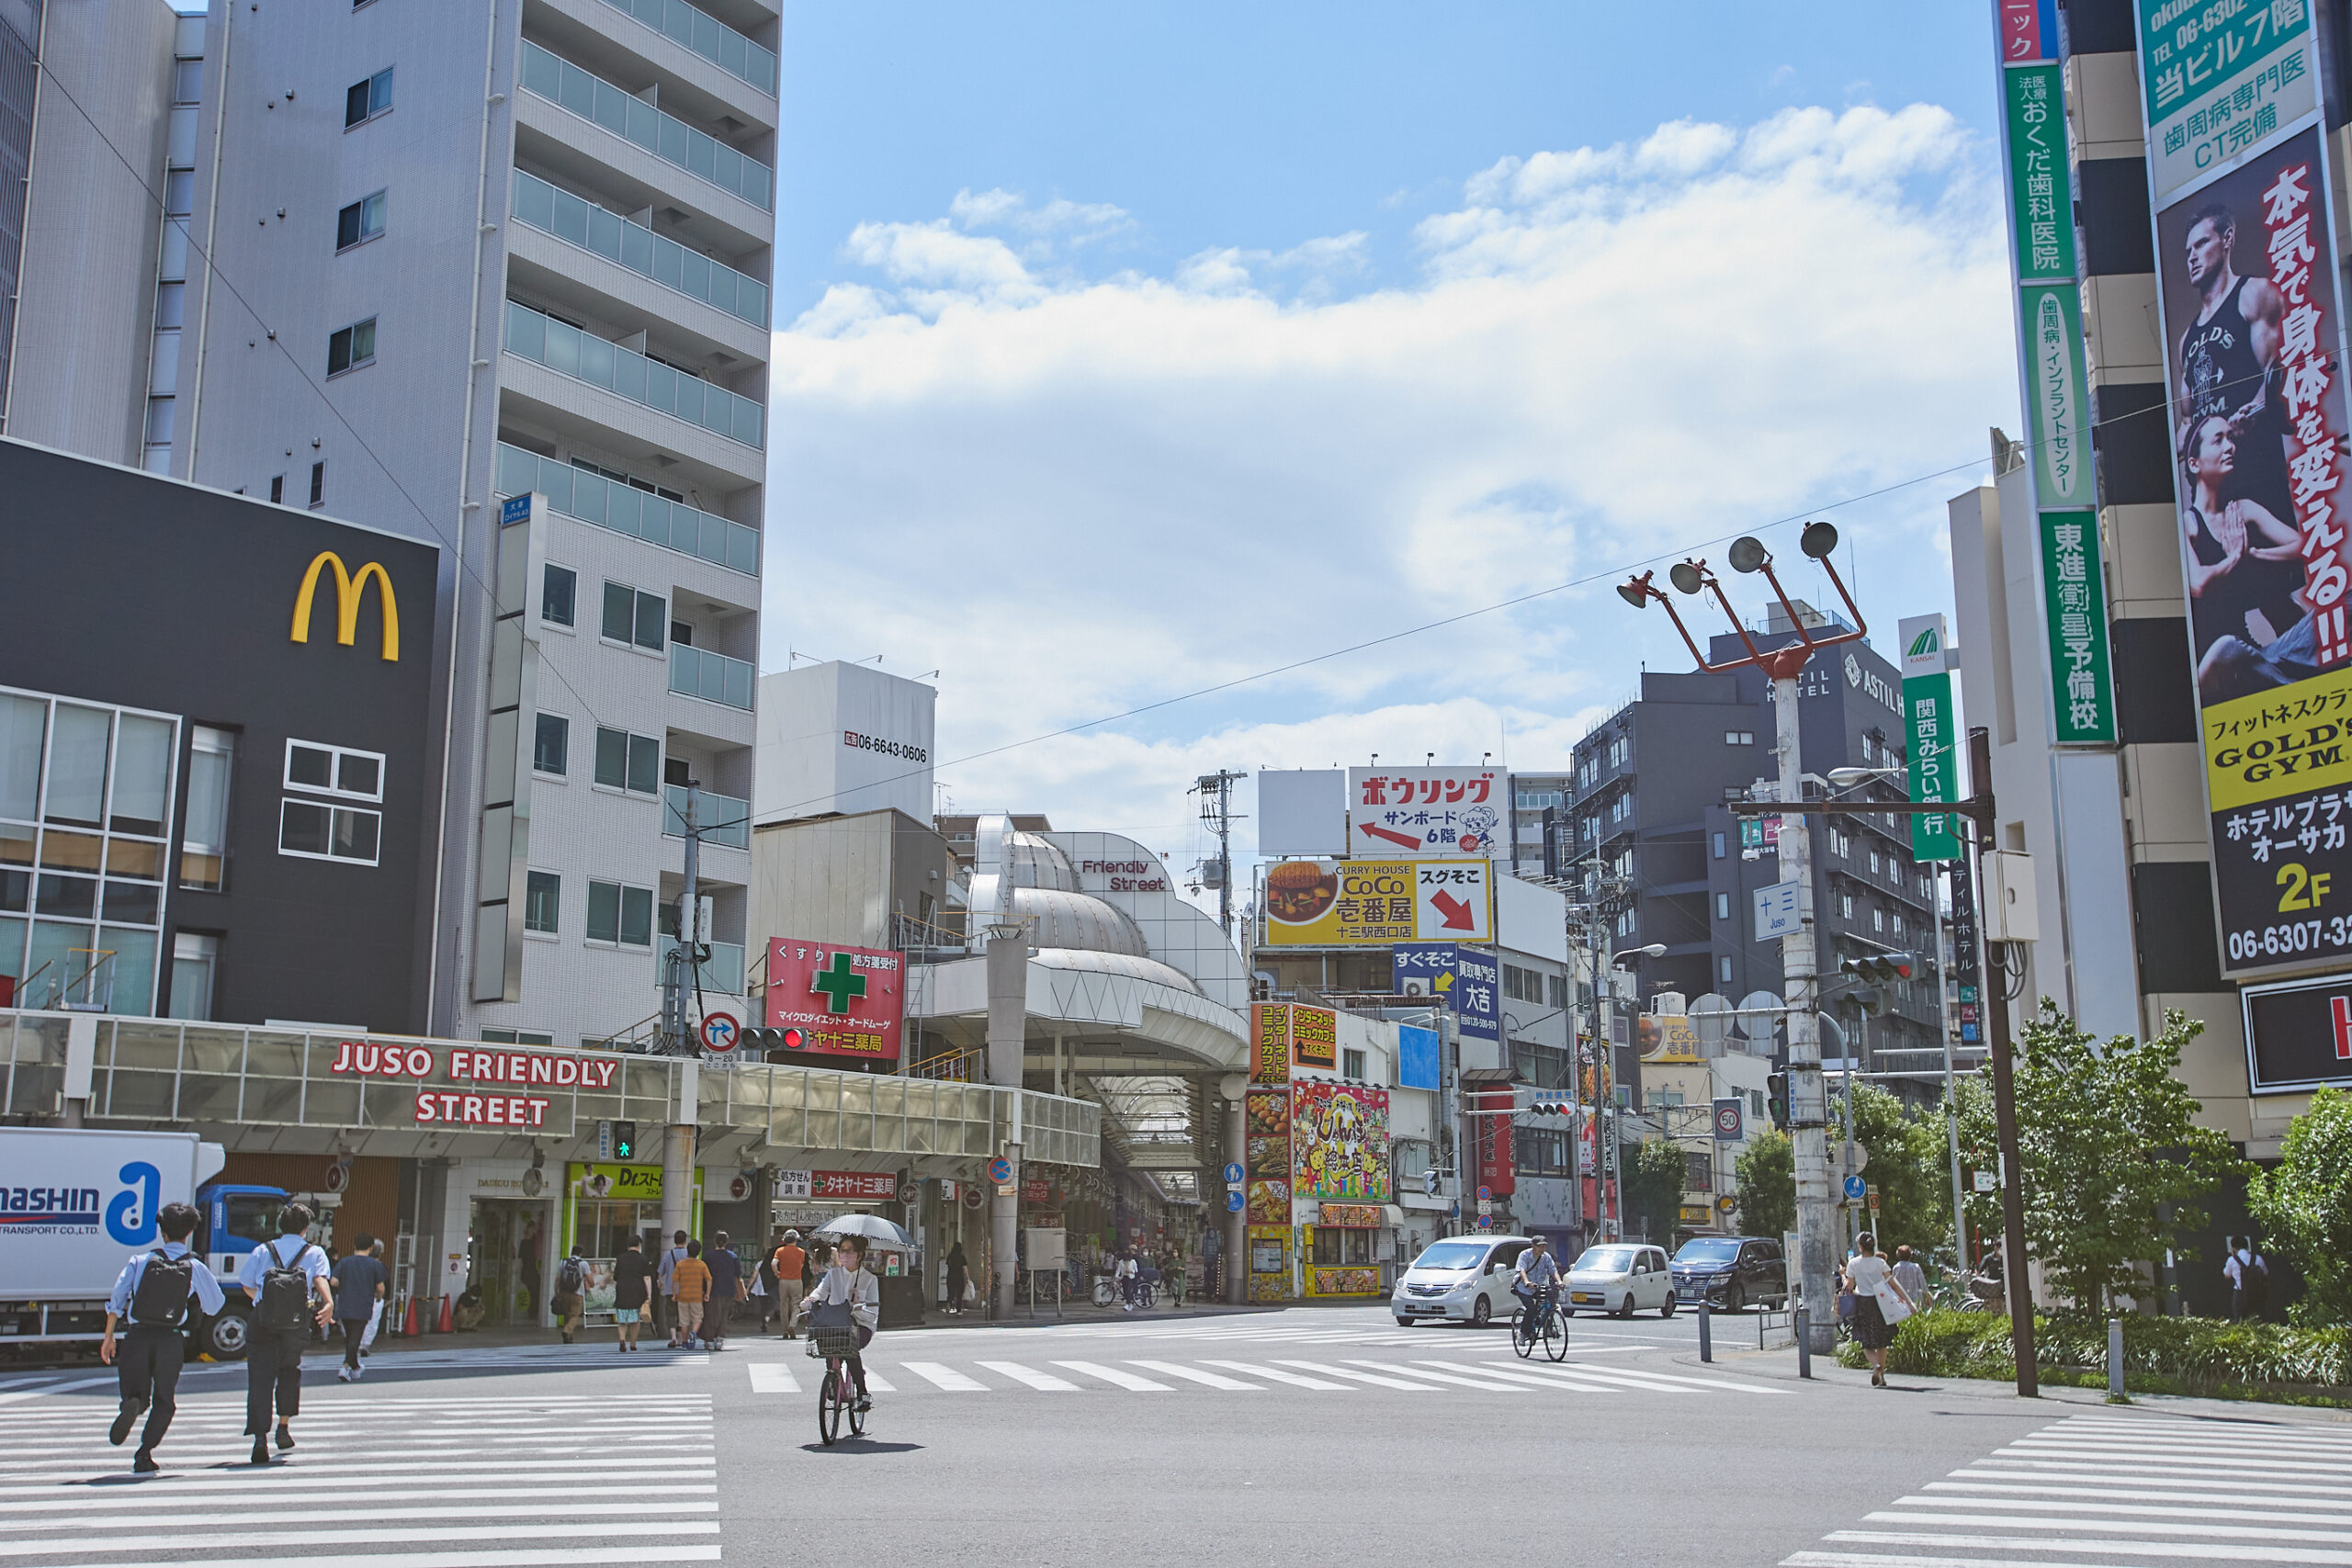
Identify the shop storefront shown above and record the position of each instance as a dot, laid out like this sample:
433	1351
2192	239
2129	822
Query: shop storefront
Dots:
603	1206
1340	1253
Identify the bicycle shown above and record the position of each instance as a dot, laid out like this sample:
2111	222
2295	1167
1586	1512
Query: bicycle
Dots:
1546	1328
835	1395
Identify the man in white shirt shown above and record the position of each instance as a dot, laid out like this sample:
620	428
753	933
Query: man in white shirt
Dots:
159	1309
280	1324
1537	1277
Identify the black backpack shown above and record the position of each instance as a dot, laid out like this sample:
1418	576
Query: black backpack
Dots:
285	1305
161	1299
567	1277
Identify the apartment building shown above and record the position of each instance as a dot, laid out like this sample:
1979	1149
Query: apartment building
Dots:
441	255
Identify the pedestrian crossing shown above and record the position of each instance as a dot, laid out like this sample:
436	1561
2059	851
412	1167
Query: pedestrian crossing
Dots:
1050	1373
376	1480
2116	1490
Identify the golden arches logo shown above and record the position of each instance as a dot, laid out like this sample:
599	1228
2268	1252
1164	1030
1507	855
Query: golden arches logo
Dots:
349	590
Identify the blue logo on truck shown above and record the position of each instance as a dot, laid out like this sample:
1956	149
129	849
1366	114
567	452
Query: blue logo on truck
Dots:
57	1210
130	1218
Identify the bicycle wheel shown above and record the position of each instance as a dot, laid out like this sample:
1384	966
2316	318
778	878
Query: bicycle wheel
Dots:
1556	1337
1522	1333
828	1406
857	1416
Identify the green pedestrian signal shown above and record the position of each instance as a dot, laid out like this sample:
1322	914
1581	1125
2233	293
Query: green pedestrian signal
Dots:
624	1140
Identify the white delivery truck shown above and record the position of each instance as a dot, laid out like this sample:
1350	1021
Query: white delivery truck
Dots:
73	1206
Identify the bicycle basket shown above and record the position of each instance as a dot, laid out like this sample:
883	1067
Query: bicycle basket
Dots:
832	1342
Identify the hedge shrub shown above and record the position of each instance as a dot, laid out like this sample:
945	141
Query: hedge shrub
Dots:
2188	1354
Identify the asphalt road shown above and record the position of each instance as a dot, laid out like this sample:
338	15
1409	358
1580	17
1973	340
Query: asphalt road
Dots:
1303	1436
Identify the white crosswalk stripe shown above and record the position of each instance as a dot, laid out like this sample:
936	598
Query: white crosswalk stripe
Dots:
2110	1489
1341	1374
378	1480
1030	1376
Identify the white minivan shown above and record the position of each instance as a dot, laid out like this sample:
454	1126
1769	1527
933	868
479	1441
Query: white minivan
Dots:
1464	1279
1622	1276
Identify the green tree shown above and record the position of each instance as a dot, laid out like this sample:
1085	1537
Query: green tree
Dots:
2304	1207
1652	1175
1909	1164
1768	1185
2114	1160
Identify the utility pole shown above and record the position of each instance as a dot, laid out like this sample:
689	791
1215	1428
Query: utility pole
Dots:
1216	791
683	964
1808	1104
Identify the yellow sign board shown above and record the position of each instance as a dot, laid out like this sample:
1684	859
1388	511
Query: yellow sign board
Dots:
2287	741
1368	903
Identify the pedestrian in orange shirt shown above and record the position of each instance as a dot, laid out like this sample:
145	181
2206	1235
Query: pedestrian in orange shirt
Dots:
692	1281
790	1262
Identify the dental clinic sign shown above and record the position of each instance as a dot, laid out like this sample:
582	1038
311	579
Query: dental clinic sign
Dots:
2221	80
474	1088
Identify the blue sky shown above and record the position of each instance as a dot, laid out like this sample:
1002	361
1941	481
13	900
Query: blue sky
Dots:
1123	351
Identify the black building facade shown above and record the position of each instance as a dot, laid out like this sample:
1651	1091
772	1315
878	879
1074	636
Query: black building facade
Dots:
220	751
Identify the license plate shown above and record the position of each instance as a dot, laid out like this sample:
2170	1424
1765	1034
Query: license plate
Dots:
1581	1296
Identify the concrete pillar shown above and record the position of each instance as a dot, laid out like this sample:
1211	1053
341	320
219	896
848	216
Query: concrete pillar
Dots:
1236	1241
678	1156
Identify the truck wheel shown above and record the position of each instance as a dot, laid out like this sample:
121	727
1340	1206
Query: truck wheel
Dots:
224	1336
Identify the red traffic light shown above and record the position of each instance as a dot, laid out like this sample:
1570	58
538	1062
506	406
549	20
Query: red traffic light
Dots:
795	1039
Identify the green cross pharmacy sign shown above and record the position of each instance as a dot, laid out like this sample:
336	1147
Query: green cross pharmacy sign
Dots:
839	983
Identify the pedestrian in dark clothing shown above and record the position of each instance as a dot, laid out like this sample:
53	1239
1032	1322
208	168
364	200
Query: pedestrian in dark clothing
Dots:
526	1254
359	1285
726	1289
630	1291
958	1273
287	1279
570	1293
665	1277
158	1291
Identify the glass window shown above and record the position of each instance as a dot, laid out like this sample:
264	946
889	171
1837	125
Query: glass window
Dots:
1719	846
1351	1064
612	758
1722	975
604	911
195	957
556	595
134	968
357	773
552	739
310	767
22	721
636	917
644	764
652	621
363	219
12	949
334	770
620	612
71	897
1722	906
304	827
77	766
54	956
346	349
138	903
541	901
206	838
364	100
143	776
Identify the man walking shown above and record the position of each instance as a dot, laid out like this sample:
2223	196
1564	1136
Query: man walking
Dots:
2249	1278
726	1282
690	1280
153	1293
631	1278
667	1279
359	1285
570	1293
287	1280
790	1264
375	1317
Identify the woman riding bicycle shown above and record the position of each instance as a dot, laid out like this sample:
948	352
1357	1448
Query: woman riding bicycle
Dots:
847	1283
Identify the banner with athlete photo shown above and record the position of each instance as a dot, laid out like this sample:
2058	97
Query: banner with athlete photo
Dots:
2257	424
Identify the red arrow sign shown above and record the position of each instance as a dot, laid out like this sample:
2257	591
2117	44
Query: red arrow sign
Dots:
1456	911
1407	840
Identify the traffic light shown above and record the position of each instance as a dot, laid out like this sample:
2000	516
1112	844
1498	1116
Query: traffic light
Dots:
1552	1107
1429	1183
1877	968
624	1140
1776	1096
775	1039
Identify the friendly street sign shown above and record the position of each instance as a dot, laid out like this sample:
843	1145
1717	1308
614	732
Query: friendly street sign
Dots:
999	1171
1233	1202
1233	1173
1856	1188
720	1031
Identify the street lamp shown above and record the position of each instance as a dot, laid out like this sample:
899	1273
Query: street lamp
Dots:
1653	949
1808	1106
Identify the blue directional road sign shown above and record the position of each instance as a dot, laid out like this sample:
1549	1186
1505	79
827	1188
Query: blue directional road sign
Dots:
1233	1202
1857	1189
1233	1173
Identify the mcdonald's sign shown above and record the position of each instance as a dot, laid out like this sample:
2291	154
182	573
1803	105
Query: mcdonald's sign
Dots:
348	591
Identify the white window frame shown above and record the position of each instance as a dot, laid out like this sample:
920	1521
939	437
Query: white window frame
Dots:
334	771
330	807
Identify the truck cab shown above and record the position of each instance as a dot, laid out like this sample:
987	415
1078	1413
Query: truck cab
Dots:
237	1217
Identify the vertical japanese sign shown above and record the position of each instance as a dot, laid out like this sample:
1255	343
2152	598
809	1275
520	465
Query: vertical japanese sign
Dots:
2221	80
2029	31
2057	393
2252	344
1270	1043
2041	197
1932	735
1477	994
2074	590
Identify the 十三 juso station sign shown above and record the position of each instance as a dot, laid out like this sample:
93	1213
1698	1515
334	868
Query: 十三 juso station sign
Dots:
518	1091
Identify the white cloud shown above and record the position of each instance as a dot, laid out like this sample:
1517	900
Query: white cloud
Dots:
1079	496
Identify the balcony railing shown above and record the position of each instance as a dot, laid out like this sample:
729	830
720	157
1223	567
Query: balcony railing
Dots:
629	374
639	249
707	36
625	509
723	818
625	114
723	973
712	677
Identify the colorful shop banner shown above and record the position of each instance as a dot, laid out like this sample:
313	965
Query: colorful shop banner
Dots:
2248	300
851	1185
1932	736
2220	79
1266	1161
2057	393
1339	1142
1477	994
1352	1281
1270	1254
636	1183
1666	1037
1421	969
1270	1043
1354	903
1314	1037
2073	609
839	1001
2029	31
1425	811
1355	1216
2040	191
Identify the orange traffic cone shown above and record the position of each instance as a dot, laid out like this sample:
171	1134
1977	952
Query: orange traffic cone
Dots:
446	1324
408	1325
